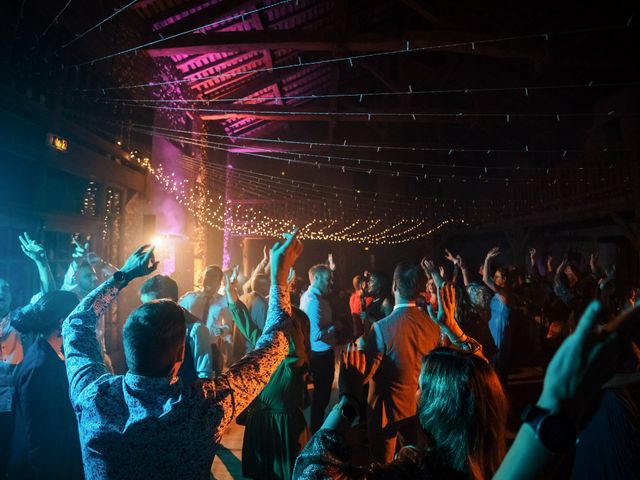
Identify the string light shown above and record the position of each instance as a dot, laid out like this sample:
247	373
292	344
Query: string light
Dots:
255	222
300	63
363	95
333	166
176	35
97	25
413	115
54	21
150	129
89	201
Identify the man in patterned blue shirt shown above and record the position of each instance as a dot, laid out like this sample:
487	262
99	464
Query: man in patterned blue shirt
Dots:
146	423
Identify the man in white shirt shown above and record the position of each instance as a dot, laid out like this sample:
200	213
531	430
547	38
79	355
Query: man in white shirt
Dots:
322	337
211	308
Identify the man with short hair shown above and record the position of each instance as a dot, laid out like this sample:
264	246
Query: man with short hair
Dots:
395	347
322	336
211	308
146	423
197	357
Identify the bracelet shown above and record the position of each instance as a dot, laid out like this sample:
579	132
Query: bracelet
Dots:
469	345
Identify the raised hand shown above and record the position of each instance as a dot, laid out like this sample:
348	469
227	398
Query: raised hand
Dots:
291	278
283	256
446	306
585	360
610	272
140	263
549	263
330	262
460	262
563	264
428	266
532	256
231	285
442	273
80	251
32	249
493	253
353	366
449	256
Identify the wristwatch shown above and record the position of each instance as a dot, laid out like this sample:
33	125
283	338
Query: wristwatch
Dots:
556	432
348	410
120	277
469	344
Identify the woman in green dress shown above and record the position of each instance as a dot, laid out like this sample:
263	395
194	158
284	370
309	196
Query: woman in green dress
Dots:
276	430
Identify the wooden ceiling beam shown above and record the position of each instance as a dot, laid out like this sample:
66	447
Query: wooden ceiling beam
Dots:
203	16
327	117
440	40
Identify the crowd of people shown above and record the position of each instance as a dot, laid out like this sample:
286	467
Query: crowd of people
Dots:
421	359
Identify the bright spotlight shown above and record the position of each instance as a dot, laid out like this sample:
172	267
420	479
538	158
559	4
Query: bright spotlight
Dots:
158	241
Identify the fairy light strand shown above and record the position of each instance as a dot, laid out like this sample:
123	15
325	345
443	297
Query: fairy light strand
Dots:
300	64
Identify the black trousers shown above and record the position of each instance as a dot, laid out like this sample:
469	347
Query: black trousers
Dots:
322	370
7	422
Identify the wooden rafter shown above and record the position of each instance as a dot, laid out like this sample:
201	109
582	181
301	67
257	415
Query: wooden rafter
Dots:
440	40
312	114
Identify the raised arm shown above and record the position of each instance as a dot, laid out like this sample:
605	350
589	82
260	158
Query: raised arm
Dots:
239	313
231	392
446	320
260	268
431	271
486	274
559	287
38	254
83	360
584	361
328	455
78	256
594	266
463	268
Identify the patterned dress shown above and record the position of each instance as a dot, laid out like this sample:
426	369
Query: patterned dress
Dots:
133	426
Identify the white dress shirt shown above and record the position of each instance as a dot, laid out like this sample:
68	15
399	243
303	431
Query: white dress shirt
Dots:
318	310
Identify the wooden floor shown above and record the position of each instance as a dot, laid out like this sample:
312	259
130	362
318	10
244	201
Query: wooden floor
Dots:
228	462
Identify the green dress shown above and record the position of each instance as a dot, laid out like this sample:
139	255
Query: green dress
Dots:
276	430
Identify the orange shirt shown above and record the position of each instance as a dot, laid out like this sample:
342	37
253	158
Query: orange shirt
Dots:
355	304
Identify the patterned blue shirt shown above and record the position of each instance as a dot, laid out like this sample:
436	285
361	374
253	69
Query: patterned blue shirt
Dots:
142	427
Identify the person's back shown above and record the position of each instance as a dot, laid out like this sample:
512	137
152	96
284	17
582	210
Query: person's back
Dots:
45	441
394	349
406	335
142	427
146	423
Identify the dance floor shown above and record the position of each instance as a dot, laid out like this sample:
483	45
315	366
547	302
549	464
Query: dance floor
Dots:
524	383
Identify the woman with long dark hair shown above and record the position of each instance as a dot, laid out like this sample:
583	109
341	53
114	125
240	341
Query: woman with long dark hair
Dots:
462	411
45	442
